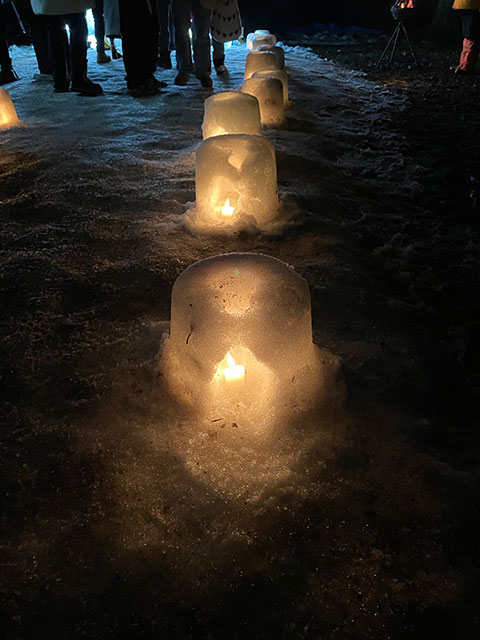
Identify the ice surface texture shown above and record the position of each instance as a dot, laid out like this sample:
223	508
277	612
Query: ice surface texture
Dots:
231	112
8	114
260	61
269	92
279	52
255	309
262	37
241	169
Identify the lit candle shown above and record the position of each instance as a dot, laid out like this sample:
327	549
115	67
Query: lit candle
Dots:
234	372
227	210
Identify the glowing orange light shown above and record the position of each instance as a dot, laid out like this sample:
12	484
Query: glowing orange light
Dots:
227	210
234	371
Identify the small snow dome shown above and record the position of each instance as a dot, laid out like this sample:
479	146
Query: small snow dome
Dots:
261	37
277	51
270	95
240	343
280	75
8	115
236	183
231	112
260	61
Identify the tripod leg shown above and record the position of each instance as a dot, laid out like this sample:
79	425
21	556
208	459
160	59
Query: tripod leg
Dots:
394	48
387	47
409	45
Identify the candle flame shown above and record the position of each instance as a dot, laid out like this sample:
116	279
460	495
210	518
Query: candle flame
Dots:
234	371
227	210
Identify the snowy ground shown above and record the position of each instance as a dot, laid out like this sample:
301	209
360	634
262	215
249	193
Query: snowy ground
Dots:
125	518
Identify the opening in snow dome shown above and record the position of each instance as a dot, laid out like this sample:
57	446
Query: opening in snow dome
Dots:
236	183
260	61
277	51
240	343
231	112
280	75
269	93
8	114
260	37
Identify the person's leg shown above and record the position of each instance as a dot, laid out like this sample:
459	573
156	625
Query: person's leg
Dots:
471	39
164	59
218	56
201	44
38	34
78	55
55	27
99	23
181	10
7	74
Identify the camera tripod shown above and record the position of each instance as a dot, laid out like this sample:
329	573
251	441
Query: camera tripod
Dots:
393	42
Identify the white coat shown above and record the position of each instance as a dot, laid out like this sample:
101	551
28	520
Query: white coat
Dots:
60	7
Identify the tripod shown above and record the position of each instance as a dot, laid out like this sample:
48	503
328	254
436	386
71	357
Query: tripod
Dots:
393	42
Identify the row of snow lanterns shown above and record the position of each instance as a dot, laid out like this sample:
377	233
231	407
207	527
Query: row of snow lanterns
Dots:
240	343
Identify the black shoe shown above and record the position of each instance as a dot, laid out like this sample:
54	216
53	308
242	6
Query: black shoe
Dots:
221	69
87	88
147	88
61	88
158	83
7	76
206	82
182	78
164	62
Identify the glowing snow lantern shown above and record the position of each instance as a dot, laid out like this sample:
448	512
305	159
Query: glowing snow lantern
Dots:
260	37
269	93
277	51
280	75
8	115
260	61
240	343
231	112
236	184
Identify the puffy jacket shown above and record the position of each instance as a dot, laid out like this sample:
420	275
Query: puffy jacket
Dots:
466	4
61	7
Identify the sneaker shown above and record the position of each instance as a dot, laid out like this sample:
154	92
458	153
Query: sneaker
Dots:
206	82
221	69
7	76
182	78
87	88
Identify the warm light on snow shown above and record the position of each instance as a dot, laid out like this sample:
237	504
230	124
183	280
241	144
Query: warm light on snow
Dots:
227	210
235	173
270	95
8	115
240	343
260	61
231	112
277	51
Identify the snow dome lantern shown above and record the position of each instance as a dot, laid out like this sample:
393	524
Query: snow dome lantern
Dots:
260	61
261	37
280	75
240	343
231	112
277	51
8	115
270	95
236	184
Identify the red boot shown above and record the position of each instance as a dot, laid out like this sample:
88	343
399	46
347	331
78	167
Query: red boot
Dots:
468	57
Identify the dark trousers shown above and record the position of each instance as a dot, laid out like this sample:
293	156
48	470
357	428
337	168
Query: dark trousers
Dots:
99	25
139	27
471	24
77	49
5	61
163	8
38	33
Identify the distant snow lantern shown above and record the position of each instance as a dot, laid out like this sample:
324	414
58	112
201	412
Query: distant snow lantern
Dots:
270	95
280	75
240	340
8	115
260	61
259	38
277	51
236	183
231	112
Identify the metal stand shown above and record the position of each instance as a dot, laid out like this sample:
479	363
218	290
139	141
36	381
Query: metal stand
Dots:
393	42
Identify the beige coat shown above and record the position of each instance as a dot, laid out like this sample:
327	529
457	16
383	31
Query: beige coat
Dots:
466	4
60	7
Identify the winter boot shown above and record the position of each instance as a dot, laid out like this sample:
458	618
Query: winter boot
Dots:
468	57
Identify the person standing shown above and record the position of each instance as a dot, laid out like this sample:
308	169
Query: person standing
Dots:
470	14
56	14
99	21
182	11
7	74
139	27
